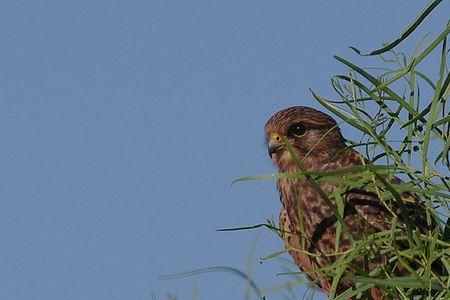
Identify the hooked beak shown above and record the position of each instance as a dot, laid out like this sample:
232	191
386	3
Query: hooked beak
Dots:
274	146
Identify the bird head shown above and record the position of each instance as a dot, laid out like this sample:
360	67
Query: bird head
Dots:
310	132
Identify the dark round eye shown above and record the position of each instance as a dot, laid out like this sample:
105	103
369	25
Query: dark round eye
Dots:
297	130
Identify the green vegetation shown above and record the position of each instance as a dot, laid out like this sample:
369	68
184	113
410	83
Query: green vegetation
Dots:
404	125
401	124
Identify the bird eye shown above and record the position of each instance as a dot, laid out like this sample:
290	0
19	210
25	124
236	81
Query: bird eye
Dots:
297	130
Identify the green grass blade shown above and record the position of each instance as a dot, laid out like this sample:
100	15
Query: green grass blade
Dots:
410	29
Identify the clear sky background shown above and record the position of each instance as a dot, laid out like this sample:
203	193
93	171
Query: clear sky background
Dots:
123	123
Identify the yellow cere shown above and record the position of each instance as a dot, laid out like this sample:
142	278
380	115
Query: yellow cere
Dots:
276	136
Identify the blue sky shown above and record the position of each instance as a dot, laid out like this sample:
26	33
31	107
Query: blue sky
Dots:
123	123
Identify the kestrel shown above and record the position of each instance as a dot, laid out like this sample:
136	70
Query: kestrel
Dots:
317	142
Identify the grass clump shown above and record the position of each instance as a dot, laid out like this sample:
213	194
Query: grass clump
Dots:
401	124
400	121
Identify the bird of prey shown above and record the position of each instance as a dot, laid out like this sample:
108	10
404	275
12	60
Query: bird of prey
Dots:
316	141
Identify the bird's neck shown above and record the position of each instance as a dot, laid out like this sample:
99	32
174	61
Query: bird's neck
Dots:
314	161
300	194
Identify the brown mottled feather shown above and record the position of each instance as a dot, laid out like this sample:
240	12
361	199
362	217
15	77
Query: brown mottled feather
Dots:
365	213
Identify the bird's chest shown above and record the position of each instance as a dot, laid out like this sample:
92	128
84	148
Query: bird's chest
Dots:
305	207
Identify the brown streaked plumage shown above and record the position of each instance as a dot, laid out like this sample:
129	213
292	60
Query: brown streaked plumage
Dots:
317	141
